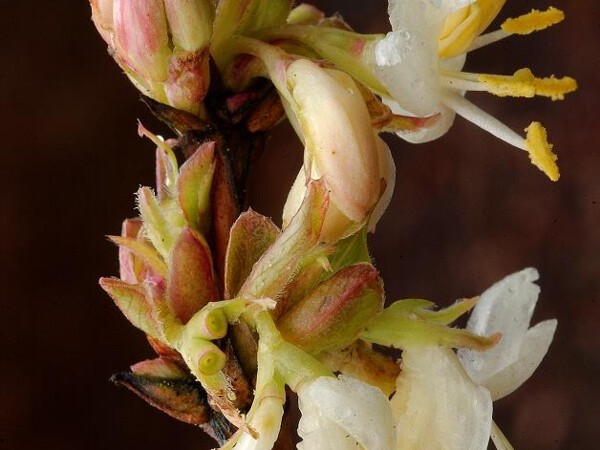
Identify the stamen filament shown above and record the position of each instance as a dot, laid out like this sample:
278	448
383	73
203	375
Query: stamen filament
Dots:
487	39
479	117
463	81
499	439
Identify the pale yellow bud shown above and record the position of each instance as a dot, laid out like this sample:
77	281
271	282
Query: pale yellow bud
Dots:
341	147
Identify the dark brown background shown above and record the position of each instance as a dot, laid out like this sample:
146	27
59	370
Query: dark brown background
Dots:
467	211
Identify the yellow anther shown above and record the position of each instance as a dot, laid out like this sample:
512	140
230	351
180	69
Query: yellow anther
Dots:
521	84
555	88
533	21
524	84
540	150
464	25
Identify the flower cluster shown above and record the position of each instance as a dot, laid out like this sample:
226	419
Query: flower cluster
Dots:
238	310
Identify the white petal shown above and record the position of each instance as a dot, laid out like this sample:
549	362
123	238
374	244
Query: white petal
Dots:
407	65
407	58
319	433
534	348
360	410
443	124
506	307
430	14
437	406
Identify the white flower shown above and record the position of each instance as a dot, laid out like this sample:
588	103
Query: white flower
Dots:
344	413
437	405
507	307
420	64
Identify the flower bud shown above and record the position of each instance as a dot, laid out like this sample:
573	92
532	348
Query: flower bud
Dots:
162	45
341	147
191	280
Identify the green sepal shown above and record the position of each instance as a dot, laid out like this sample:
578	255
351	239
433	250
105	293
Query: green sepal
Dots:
156	226
250	237
194	186
133	303
305	14
411	323
342	47
277	267
335	312
351	250
143	253
235	17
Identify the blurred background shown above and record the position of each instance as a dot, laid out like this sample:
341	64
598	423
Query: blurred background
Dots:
467	211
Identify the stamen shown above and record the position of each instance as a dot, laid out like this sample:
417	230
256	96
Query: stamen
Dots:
525	24
540	150
524	84
521	84
489	123
533	21
536	144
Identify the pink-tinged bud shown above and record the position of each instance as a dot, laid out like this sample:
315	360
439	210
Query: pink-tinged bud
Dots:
336	312
191	283
162	45
102	15
142	37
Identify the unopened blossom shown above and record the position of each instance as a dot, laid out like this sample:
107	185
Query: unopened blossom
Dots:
420	64
344	414
341	148
162	45
507	307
